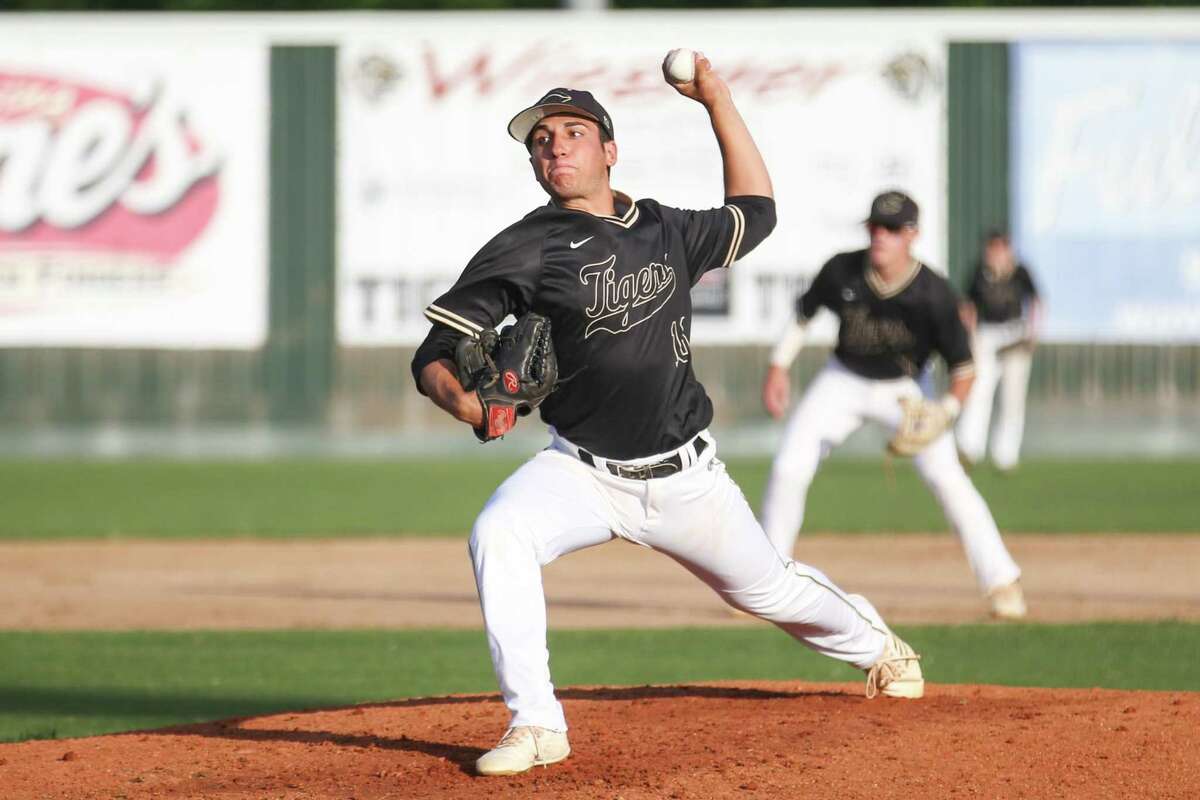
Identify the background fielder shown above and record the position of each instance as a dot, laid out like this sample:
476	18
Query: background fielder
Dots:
1002	311
894	312
629	455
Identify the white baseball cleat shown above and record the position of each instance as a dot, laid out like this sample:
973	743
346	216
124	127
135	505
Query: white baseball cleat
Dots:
1008	602
524	747
896	673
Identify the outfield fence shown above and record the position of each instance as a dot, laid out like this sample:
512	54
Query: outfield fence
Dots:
84	366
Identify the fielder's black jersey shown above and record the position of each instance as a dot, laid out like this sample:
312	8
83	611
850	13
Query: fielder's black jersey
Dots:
616	290
888	331
1001	299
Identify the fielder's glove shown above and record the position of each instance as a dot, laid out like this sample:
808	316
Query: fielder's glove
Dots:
921	422
511	372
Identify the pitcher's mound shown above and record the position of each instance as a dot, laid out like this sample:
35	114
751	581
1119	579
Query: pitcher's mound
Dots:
768	740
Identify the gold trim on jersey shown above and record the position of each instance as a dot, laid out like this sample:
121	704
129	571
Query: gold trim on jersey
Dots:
887	290
451	320
963	370
739	229
628	218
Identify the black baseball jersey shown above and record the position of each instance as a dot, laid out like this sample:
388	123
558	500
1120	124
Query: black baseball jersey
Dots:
616	290
1001	299
888	332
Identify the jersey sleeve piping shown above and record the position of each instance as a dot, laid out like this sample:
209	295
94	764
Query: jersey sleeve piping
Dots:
739	229
964	370
442	316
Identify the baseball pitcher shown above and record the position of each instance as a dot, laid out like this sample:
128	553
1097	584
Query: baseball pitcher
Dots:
630	454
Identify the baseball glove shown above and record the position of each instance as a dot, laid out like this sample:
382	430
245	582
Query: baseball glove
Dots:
511	372
922	422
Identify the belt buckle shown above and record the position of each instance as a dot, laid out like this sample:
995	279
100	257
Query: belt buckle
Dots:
645	472
639	473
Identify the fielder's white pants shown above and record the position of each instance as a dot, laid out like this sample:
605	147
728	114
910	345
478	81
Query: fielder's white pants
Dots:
837	403
555	504
1011	371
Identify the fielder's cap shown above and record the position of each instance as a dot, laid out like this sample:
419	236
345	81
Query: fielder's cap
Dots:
995	233
893	209
560	101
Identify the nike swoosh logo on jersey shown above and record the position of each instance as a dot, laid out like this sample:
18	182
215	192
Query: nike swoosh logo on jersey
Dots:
581	242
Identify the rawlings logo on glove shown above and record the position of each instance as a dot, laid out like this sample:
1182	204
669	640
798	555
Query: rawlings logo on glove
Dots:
511	372
921	422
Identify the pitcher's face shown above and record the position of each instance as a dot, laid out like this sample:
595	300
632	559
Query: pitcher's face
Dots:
569	160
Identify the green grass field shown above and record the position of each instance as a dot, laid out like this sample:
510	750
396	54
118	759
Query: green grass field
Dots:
64	685
164	499
75	684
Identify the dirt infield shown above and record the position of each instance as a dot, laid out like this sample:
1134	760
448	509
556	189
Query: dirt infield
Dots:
745	740
407	583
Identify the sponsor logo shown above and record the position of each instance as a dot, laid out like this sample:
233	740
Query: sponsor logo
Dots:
581	242
848	294
511	382
493	69
621	302
376	76
88	170
911	76
501	420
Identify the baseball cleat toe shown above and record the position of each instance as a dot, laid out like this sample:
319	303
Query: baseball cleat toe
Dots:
1008	602
897	673
522	748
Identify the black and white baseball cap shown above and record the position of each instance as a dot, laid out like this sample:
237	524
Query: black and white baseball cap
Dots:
559	101
893	209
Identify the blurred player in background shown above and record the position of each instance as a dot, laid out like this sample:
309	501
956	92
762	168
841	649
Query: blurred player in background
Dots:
1002	311
894	313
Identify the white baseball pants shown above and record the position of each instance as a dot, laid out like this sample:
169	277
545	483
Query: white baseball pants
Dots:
837	403
555	504
1011	371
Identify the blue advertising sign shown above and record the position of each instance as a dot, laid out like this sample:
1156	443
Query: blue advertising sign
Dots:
1106	187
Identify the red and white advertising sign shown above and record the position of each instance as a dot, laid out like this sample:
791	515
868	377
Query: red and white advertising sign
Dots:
133	194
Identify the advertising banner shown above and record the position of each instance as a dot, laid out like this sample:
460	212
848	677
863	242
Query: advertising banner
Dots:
1107	187
133	191
427	173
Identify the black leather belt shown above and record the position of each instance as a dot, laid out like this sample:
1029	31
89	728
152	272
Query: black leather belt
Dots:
659	469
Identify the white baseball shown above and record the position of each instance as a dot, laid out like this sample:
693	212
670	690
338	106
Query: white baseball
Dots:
680	65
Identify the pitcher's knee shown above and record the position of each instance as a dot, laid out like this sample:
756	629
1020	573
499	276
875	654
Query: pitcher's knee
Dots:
495	529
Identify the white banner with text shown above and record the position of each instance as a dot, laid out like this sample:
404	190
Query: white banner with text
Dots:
427	173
